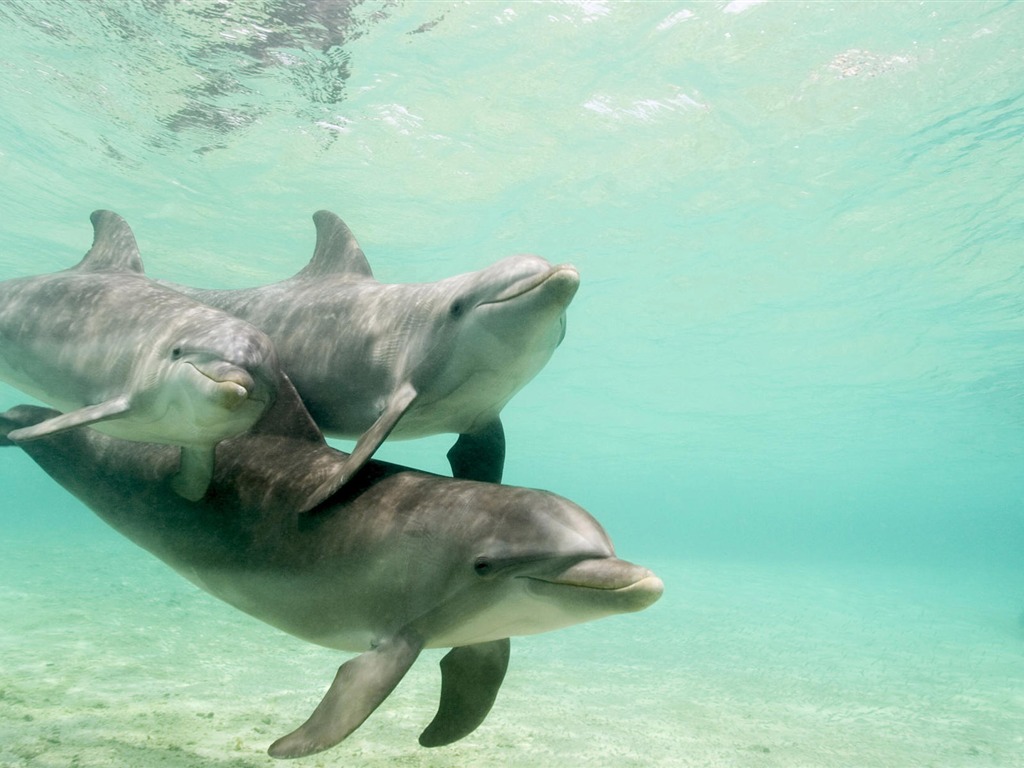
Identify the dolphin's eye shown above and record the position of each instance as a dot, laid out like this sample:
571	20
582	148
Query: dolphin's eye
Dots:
456	309
175	353
482	566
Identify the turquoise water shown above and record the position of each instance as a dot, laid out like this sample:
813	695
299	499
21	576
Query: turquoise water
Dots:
793	377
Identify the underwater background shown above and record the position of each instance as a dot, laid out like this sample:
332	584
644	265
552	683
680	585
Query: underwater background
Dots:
792	381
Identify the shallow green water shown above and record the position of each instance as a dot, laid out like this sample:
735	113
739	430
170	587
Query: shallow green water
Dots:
799	336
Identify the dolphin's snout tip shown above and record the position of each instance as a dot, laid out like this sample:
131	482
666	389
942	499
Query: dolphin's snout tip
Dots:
233	395
645	588
240	378
541	280
651	587
565	280
642	593
233	385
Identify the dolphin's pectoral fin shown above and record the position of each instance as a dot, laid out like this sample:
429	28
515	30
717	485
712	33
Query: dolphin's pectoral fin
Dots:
336	477
369	441
359	687
27	415
481	455
194	474
90	414
470	679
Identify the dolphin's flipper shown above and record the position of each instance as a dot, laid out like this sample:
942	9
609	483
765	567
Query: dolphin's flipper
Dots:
369	441
336	473
22	414
359	687
90	414
470	679
481	455
194	474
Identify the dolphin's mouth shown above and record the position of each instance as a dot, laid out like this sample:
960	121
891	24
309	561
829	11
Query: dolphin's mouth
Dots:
603	583
603	574
527	285
233	385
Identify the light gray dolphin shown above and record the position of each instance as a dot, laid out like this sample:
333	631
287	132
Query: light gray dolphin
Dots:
407	360
131	358
394	562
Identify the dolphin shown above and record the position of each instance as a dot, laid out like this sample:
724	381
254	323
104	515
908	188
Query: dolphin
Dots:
114	350
394	562
373	360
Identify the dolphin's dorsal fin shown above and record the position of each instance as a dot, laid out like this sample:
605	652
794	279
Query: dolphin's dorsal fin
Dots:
337	251
287	416
113	246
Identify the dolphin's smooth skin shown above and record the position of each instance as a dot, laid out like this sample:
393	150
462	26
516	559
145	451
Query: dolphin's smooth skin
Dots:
373	360
116	351
394	562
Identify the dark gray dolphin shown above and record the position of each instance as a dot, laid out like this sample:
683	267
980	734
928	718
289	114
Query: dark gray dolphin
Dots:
116	351
395	562
373	360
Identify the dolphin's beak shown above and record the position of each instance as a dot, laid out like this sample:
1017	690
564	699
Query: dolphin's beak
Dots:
564	279
234	385
634	587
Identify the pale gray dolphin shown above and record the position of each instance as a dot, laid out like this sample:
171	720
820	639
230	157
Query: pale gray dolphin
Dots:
131	358
407	360
394	562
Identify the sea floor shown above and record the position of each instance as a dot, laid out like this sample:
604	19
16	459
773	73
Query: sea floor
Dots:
111	660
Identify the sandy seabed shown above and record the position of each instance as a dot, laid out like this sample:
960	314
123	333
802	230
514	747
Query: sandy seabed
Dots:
110	659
